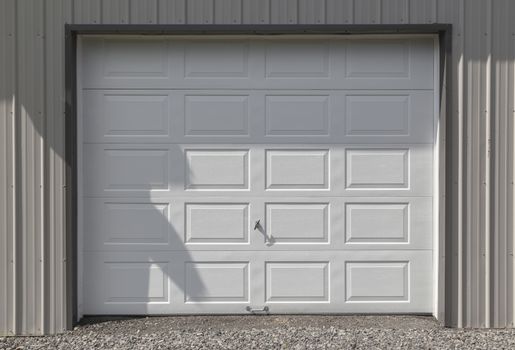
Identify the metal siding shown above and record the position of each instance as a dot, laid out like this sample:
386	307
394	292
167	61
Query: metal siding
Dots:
367	11
394	11
227	11
256	12
7	89
480	268
422	11
115	11
284	12
200	11
142	11
86	11
311	11
339	11
172	11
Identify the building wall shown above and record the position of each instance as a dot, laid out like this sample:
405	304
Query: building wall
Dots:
33	279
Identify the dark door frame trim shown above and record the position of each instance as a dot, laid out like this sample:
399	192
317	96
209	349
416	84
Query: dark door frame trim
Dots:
448	152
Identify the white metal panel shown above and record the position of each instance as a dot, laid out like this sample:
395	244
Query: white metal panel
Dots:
333	64
199	184
207	222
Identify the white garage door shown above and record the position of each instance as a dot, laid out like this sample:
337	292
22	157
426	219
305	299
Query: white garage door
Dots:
291	174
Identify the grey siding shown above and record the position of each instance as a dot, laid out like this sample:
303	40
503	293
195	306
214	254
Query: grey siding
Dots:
33	278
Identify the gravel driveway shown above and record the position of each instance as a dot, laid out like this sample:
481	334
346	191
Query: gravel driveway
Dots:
267	332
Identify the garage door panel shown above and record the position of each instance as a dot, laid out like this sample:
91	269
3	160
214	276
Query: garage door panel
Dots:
216	169
197	282
217	223
337	63
138	285
246	116
160	170
216	115
297	282
113	60
389	281
400	63
128	170
297	115
374	117
113	223
287	223
228	59
132	224
122	115
217	282
388	170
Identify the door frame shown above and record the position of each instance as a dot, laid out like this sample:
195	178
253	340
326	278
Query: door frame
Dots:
445	194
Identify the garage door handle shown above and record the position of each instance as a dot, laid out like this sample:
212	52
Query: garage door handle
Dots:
256	225
263	310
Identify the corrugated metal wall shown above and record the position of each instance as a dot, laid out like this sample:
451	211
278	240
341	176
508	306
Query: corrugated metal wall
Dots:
32	185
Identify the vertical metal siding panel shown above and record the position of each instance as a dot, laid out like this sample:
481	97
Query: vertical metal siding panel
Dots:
57	13
340	11
256	11
476	51
114	11
30	104
423	11
143	11
488	91
500	51
367	11
311	11
510	154
453	12
87	12
394	11
7	87
200	11
510	210
172	11
228	11
284	11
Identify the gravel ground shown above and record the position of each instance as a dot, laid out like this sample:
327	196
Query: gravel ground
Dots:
266	332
